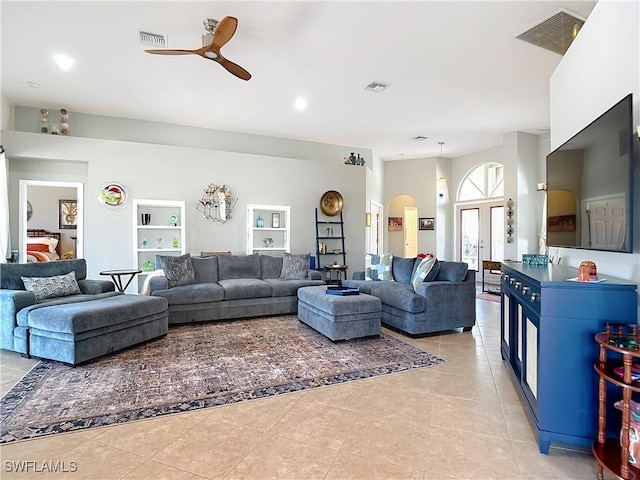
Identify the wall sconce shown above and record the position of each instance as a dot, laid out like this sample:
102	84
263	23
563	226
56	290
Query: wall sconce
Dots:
442	187
367	219
442	182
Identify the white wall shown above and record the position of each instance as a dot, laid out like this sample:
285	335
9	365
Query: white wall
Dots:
374	182
6	113
27	119
151	171
417	179
601	67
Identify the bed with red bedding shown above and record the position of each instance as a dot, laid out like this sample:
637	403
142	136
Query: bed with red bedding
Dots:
42	245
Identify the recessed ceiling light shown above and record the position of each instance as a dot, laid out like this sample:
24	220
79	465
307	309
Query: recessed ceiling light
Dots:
64	62
33	85
300	103
401	154
419	138
376	87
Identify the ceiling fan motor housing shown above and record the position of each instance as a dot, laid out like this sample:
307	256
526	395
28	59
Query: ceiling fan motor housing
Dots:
210	24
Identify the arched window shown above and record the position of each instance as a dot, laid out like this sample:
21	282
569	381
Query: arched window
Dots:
483	182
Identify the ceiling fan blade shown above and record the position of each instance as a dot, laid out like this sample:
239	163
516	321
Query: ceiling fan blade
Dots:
233	68
223	33
173	52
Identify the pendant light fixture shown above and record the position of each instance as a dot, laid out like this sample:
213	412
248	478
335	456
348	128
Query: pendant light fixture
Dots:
442	181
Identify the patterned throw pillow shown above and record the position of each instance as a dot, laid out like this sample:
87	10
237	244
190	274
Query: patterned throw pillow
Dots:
426	271
378	267
51	287
295	266
178	270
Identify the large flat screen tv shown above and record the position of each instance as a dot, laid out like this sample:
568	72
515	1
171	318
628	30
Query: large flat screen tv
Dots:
589	185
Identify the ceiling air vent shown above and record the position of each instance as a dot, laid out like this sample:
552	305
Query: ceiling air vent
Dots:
153	39
376	87
556	32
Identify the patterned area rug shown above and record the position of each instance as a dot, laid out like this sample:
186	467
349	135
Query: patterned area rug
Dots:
491	297
195	366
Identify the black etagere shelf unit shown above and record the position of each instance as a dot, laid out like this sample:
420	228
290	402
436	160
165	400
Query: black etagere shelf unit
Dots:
329	240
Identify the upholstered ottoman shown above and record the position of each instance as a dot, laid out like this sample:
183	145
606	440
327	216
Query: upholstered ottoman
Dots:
77	332
339	317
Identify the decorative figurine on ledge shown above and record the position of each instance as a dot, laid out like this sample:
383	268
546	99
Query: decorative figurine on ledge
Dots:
587	271
353	160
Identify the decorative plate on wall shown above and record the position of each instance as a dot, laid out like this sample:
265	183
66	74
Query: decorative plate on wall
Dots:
331	203
112	194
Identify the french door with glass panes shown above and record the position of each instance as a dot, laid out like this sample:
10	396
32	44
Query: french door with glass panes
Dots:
480	234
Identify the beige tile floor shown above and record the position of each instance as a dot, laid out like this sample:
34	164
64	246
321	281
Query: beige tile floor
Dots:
458	420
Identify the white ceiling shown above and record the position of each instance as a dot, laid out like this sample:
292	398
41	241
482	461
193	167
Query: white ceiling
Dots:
457	74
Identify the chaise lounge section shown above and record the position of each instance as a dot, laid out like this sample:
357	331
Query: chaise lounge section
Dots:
72	327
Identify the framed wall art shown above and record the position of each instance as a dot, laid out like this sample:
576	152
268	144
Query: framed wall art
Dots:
426	223
68	214
395	224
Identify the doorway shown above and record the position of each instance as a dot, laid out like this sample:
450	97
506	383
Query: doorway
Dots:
376	231
23	207
410	232
481	228
397	223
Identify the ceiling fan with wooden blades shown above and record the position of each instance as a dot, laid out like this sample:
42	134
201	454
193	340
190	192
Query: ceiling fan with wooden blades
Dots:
216	36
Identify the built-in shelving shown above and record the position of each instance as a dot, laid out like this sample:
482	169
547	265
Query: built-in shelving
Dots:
163	235
268	222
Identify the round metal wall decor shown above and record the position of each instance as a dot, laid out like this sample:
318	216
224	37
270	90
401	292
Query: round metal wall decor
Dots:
331	203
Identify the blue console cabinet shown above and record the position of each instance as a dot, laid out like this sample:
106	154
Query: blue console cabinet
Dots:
548	324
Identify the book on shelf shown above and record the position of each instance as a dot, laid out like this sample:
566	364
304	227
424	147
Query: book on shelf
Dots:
635	372
629	342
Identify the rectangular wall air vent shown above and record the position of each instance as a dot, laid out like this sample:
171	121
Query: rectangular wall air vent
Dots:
153	39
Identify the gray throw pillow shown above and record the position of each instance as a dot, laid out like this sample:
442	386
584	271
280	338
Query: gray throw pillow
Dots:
51	287
178	270
295	266
452	271
270	266
205	269
402	269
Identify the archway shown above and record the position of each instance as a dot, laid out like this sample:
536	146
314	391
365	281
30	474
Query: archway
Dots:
402	224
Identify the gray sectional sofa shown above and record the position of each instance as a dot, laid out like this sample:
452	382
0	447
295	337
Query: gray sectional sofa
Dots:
444	303
233	286
51	310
